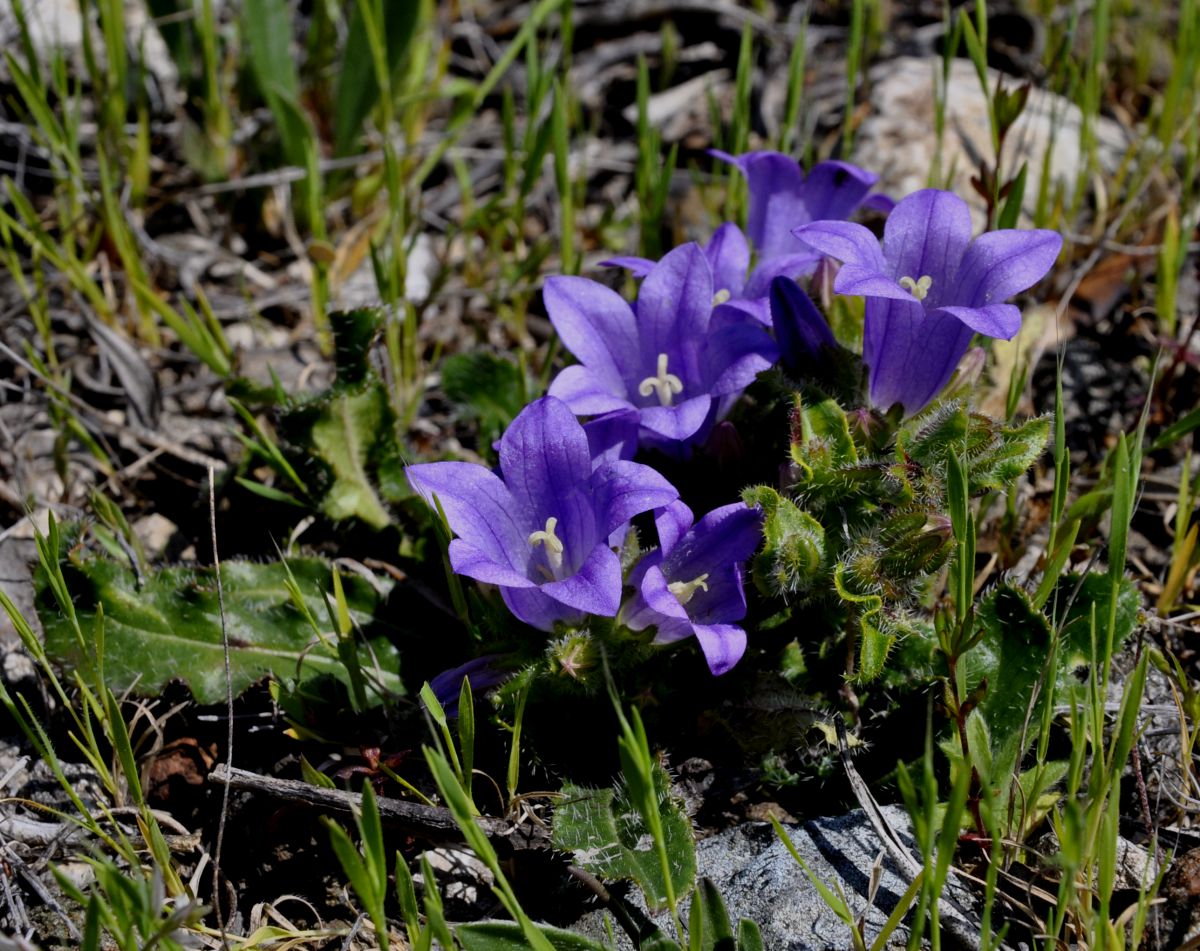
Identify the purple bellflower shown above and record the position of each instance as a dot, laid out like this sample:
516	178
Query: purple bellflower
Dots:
728	256
540	530
678	362
930	288
782	197
692	584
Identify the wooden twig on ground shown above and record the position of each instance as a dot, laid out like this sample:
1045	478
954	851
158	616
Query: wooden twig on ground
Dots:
430	822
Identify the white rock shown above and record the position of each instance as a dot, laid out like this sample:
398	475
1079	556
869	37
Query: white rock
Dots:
897	139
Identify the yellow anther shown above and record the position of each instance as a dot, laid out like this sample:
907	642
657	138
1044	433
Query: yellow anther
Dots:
554	545
918	288
684	590
665	384
721	296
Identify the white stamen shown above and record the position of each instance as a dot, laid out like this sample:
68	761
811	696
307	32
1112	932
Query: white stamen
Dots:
665	384
721	296
683	590
554	546
918	288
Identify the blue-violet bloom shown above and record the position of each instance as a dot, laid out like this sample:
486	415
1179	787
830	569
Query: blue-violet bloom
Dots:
540	530
677	362
930	288
782	197
692	584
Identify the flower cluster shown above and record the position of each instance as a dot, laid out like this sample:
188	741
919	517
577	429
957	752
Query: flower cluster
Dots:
659	374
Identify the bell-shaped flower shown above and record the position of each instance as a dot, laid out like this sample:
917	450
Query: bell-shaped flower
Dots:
782	197
540	530
728	255
692	584
930	288
677	362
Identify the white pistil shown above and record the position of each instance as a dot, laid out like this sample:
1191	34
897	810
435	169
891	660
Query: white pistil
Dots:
721	296
918	288
683	590
554	546
665	384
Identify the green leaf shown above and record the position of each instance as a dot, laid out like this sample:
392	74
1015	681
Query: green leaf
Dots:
712	917
1011	656
508	936
487	388
267	27
611	839
357	86
1076	626
749	937
343	437
347	434
166	625
825	432
793	544
996	455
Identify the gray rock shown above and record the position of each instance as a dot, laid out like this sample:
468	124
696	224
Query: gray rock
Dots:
759	879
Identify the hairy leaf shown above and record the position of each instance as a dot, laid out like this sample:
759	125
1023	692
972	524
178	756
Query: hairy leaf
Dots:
488	388
610	839
793	544
166	625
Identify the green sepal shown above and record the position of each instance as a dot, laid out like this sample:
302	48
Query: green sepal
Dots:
793	544
996	455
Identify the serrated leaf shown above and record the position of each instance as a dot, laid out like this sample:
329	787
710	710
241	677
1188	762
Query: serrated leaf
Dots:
347	434
1010	656
487	388
508	936
793	544
611	840
168	626
343	438
1076	626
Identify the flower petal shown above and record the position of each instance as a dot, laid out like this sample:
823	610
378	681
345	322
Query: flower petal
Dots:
860	282
596	325
672	523
469	561
911	353
729	257
736	354
674	307
723	645
538	609
927	233
478	506
794	265
834	190
800	330
715	547
612	436
775	183
992	320
680	422
595	588
850	243
585	392
1002	263
657	594
638	267
546	464
623	489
